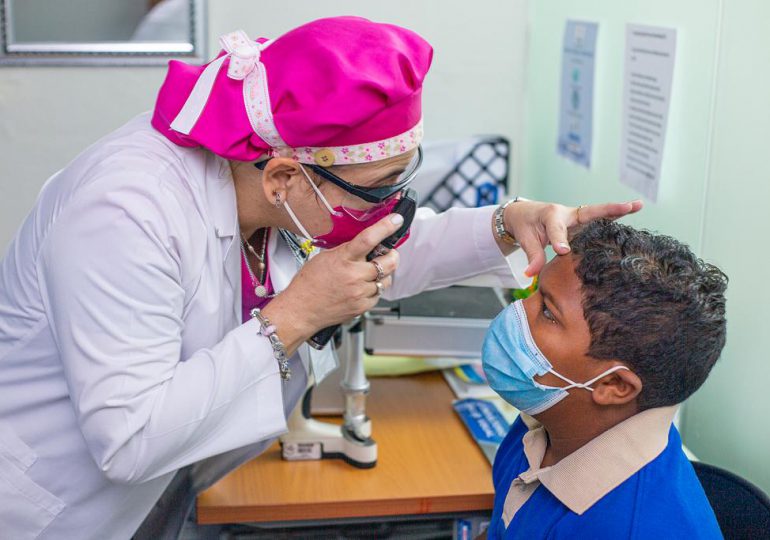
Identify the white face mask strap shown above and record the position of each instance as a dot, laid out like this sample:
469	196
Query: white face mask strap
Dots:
296	221
611	370
318	191
587	385
572	384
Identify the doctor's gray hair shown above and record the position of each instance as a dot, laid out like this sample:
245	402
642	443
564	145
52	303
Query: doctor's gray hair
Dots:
651	303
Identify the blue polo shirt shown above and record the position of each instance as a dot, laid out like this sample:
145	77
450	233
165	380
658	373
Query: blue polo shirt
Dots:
623	484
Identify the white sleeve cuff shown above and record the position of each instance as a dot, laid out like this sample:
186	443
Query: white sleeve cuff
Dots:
502	271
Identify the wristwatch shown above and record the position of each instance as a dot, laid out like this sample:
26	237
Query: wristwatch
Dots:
500	231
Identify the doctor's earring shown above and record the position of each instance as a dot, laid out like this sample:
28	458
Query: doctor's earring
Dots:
277	202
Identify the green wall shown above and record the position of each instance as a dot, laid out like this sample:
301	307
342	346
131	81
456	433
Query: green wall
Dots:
728	421
714	190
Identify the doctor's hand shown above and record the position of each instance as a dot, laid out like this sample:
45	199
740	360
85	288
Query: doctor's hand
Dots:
334	286
536	225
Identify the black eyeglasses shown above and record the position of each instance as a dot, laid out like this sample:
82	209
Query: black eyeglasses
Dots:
369	194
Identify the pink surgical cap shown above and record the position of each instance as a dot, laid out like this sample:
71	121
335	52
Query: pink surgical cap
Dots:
333	91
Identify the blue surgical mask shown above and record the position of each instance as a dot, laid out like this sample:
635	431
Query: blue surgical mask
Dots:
512	360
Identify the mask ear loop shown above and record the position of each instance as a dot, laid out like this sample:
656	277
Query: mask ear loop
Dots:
306	246
318	192
586	385
293	217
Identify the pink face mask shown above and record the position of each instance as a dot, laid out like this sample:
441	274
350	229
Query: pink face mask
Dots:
347	222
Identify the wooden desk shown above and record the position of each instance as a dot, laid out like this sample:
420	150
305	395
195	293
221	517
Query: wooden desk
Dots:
427	464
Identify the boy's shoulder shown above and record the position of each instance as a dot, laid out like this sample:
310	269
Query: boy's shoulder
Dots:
660	496
664	499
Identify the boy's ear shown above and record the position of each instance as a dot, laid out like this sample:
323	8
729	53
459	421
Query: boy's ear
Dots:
618	388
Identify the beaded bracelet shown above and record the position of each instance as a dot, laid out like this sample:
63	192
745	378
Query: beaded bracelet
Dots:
267	329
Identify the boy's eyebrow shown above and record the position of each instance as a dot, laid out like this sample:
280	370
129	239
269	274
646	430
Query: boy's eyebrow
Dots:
551	299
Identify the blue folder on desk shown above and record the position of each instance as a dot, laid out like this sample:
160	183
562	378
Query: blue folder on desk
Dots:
485	422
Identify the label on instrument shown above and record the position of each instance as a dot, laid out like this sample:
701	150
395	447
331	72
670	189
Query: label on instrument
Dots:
301	451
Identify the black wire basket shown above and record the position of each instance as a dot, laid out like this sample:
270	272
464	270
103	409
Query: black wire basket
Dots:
479	178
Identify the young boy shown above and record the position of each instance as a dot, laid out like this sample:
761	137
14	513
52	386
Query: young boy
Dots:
620	331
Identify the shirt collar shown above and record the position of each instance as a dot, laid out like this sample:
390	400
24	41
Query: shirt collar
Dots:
588	474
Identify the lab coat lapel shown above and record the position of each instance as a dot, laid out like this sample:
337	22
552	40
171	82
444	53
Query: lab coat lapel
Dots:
233	274
224	210
283	265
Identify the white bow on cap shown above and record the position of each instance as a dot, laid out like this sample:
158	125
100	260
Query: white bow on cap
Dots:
244	58
244	53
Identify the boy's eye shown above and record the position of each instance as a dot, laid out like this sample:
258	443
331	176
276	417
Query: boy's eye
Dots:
547	314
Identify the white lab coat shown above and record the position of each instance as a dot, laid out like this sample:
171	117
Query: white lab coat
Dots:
122	353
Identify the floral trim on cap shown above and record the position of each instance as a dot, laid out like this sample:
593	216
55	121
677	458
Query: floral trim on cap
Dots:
357	153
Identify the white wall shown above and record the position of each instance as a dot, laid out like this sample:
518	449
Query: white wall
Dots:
48	115
476	81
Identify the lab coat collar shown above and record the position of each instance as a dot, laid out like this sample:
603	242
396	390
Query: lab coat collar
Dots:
220	195
283	265
220	192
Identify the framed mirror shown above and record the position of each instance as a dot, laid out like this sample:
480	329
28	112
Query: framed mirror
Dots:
99	32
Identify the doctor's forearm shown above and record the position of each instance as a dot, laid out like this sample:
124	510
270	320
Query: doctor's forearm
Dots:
447	248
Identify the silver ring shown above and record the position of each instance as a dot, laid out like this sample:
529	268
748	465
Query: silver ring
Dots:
380	271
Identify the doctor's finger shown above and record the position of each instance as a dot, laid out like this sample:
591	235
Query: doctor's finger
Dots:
535	254
378	289
556	230
388	263
369	238
609	210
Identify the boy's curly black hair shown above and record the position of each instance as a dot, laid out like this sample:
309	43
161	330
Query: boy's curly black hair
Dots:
650	302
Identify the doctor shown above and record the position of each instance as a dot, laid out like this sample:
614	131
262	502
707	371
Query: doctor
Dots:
155	303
